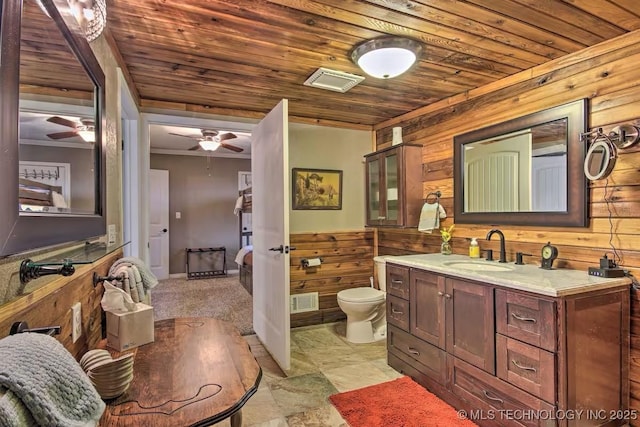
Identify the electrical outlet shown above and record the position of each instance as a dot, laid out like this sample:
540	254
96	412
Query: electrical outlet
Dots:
76	321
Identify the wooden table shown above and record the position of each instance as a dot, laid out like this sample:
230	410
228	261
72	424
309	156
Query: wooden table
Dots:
198	372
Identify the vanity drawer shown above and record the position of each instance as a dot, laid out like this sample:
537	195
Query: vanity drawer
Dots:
527	367
398	281
398	312
526	318
432	360
496	398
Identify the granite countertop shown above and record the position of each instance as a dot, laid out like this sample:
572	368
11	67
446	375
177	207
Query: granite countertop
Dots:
528	277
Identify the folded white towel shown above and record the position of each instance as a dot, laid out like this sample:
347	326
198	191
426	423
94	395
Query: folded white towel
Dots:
238	207
430	217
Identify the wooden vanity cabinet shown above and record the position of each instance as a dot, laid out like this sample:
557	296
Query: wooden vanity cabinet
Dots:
394	186
446	316
503	352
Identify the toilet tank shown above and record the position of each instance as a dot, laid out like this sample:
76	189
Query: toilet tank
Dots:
381	271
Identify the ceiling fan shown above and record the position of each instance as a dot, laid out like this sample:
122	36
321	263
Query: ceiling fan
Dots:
211	140
84	128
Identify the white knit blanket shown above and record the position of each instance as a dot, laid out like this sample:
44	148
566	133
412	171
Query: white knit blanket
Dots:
37	372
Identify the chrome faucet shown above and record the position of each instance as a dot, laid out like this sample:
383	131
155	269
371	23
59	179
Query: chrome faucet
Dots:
503	251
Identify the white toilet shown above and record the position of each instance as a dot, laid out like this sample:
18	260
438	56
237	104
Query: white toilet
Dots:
365	308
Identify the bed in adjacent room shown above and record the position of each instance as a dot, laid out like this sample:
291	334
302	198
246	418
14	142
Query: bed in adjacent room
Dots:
244	258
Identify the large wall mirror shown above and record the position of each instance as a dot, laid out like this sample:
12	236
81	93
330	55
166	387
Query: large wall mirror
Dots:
526	171
52	119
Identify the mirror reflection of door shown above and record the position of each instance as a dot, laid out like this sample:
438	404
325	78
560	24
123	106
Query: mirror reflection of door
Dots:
523	171
497	174
57	115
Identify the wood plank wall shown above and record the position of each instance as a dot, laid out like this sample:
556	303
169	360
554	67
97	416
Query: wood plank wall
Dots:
51	306
606	74
347	262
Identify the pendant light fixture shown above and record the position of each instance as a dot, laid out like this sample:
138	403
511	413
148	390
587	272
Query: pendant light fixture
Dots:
386	57
91	15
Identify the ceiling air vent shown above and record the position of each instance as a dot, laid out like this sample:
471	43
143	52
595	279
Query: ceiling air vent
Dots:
336	81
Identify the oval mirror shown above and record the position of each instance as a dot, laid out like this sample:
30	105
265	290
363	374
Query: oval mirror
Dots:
600	160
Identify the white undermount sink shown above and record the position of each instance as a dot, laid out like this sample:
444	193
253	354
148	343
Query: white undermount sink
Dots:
478	266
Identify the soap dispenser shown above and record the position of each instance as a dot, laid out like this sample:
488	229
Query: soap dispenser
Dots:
474	249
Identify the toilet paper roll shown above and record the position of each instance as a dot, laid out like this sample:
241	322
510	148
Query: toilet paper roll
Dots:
313	262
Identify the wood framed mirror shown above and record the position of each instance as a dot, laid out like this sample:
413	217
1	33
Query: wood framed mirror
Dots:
525	171
47	61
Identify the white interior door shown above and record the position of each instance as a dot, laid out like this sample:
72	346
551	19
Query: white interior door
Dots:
159	222
270	168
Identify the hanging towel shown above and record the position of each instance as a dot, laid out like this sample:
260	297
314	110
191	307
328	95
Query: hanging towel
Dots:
149	280
37	372
238	207
430	217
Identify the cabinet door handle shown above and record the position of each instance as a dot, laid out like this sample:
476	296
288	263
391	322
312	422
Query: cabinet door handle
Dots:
394	311
526	368
523	319
447	296
396	282
495	399
413	351
440	293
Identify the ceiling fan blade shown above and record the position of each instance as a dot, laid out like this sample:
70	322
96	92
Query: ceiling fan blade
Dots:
63	122
186	136
231	147
62	135
228	135
195	147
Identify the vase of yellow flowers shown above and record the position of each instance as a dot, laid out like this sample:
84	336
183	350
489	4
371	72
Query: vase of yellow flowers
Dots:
445	247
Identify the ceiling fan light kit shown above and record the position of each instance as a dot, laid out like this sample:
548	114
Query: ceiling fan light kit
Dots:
209	145
87	135
386	57
211	140
84	128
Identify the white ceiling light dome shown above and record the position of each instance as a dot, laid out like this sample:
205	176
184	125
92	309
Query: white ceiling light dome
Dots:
386	57
209	144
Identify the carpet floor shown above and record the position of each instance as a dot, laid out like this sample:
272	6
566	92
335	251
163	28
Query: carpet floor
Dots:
397	403
220	298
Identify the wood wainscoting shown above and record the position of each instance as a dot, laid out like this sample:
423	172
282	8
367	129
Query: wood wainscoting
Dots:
605	75
51	304
347	262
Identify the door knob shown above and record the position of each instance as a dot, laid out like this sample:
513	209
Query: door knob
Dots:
164	230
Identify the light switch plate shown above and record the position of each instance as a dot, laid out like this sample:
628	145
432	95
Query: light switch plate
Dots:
111	230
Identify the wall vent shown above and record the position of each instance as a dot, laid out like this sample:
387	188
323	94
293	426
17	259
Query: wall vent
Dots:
304	302
336	81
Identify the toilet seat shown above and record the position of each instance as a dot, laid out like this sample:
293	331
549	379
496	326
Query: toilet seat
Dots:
362	295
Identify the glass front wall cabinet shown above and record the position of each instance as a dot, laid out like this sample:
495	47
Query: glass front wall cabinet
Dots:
394	186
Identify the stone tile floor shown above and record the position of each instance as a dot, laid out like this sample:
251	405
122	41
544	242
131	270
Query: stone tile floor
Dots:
323	363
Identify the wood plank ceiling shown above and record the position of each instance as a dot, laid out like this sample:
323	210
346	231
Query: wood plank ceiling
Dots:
240	57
